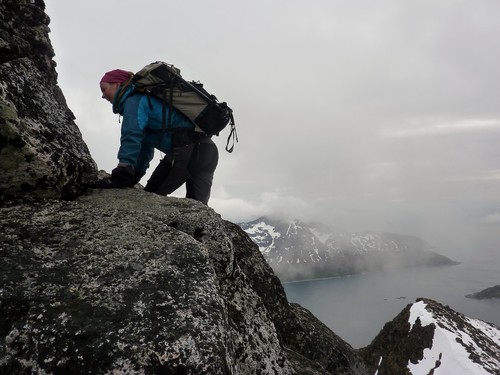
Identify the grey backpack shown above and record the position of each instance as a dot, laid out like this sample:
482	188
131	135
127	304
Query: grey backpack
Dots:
208	115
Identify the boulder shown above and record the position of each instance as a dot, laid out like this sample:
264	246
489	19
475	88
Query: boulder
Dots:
125	281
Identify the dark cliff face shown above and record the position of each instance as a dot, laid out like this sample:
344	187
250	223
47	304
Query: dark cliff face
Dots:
42	153
428	337
396	344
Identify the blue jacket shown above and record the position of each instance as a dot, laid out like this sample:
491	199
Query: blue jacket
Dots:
142	124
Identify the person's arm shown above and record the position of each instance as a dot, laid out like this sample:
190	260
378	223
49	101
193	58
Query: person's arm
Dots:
146	153
132	132
132	135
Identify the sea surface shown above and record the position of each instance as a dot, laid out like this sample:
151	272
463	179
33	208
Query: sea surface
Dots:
357	307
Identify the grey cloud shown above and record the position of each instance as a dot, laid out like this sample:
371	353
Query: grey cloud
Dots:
372	115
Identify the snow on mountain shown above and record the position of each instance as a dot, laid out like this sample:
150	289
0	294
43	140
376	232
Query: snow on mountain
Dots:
429	338
425	338
263	234
454	346
298	250
286	242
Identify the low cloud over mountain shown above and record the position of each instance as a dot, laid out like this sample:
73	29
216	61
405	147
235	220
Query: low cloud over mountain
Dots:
298	250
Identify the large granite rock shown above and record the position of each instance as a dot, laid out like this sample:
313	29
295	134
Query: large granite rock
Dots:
125	281
42	154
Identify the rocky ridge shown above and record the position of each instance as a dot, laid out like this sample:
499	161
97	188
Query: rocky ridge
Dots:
429	338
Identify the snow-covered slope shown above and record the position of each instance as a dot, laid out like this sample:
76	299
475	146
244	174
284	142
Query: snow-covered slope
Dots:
460	345
286	242
298	250
429	338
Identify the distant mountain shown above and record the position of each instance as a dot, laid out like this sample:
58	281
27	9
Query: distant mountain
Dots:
429	338
492	292
297	250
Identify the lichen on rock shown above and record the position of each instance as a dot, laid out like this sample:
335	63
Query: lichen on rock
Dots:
125	280
42	153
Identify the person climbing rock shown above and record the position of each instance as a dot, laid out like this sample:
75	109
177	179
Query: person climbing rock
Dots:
189	157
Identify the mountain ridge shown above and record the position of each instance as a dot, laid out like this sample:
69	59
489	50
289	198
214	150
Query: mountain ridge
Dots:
298	250
429	338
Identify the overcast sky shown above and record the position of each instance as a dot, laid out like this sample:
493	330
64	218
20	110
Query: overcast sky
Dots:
369	115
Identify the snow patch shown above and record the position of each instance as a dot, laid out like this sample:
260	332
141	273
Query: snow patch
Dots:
446	355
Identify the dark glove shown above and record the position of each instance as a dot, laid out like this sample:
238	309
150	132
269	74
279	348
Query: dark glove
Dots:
121	176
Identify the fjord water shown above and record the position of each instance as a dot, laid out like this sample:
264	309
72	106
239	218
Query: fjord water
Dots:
357	307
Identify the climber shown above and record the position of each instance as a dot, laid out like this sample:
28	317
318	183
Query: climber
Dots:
188	158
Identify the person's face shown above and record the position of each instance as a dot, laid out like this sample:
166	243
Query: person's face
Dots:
109	90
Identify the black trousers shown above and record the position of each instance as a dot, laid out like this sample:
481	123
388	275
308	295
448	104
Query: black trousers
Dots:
193	164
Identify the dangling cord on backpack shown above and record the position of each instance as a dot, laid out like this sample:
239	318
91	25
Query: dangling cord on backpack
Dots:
232	133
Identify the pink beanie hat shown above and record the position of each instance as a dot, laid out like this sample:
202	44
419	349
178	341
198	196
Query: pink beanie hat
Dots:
116	76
